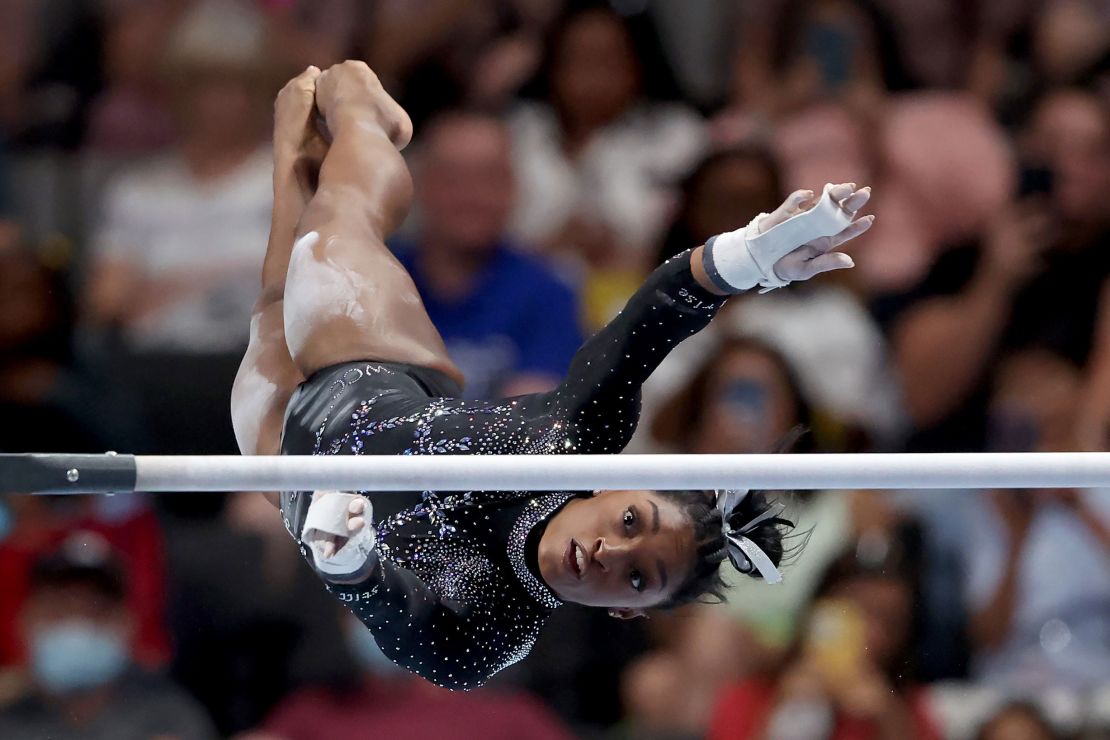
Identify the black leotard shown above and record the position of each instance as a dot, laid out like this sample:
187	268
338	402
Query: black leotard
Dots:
458	595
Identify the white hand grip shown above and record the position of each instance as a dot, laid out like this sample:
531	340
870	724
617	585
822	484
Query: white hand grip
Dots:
327	518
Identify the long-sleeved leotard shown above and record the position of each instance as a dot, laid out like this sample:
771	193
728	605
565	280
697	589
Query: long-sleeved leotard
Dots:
457	595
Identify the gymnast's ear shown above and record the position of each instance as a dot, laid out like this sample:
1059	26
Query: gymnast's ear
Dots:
623	612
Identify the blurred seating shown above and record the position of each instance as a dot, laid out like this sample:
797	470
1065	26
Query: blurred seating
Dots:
174	260
375	698
136	196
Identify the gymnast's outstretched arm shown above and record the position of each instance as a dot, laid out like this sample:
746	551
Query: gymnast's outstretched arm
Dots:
600	395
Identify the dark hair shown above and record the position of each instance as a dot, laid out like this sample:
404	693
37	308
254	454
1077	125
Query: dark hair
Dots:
684	410
793	15
897	559
83	559
710	543
48	264
1025	708
680	236
657	78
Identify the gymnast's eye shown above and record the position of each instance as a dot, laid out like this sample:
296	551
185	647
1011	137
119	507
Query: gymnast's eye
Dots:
629	517
637	580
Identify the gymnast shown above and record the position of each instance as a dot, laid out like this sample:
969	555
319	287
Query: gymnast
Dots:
343	360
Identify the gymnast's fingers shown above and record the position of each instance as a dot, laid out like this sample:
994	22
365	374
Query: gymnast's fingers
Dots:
856	200
851	231
355	523
827	263
357	506
795	203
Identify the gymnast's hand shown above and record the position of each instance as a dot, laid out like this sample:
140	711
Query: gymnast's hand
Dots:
339	537
795	242
817	256
355	523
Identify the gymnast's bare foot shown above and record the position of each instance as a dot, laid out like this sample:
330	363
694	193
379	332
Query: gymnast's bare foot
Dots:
348	91
299	144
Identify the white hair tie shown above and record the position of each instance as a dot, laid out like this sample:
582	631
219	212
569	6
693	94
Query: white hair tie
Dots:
742	551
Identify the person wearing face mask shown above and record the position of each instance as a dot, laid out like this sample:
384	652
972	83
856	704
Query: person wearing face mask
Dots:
81	679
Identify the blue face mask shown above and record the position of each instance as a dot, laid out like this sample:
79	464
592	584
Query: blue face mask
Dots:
118	507
76	655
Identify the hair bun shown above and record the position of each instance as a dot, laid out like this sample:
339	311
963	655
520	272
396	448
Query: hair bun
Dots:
768	535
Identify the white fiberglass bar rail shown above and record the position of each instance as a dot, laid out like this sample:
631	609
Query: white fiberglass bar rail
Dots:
102	473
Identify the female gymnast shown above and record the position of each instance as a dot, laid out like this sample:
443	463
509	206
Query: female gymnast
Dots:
344	361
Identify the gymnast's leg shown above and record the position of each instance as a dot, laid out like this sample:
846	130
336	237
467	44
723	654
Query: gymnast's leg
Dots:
267	376
346	297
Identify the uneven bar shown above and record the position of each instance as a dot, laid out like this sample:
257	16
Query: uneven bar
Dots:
98	474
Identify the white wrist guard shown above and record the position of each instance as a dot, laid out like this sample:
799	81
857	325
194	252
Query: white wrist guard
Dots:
739	260
326	519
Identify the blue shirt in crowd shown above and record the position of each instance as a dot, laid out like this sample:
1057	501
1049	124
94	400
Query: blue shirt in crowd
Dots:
520	318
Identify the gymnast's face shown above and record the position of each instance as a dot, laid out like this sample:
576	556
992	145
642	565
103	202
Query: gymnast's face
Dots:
625	550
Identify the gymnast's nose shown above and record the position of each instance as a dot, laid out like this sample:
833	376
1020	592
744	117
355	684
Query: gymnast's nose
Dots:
607	555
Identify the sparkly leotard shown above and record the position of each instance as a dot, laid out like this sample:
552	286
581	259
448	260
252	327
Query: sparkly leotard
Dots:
457	595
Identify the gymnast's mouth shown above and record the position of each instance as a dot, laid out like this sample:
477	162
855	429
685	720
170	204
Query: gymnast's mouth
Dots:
575	559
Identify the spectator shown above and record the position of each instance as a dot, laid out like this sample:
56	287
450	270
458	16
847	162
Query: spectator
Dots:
77	628
317	32
387	701
828	337
175	261
945	169
243	635
936	39
1034	278
50	71
18	36
1028	48
39	391
597	155
433	54
700	38
850	677
744	399
724	191
1038	562
39	524
806	51
671	691
1017	721
509	323
129	116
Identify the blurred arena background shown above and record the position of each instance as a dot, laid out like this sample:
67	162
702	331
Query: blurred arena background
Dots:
563	149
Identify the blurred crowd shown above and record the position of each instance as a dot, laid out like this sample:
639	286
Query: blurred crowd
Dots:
564	149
